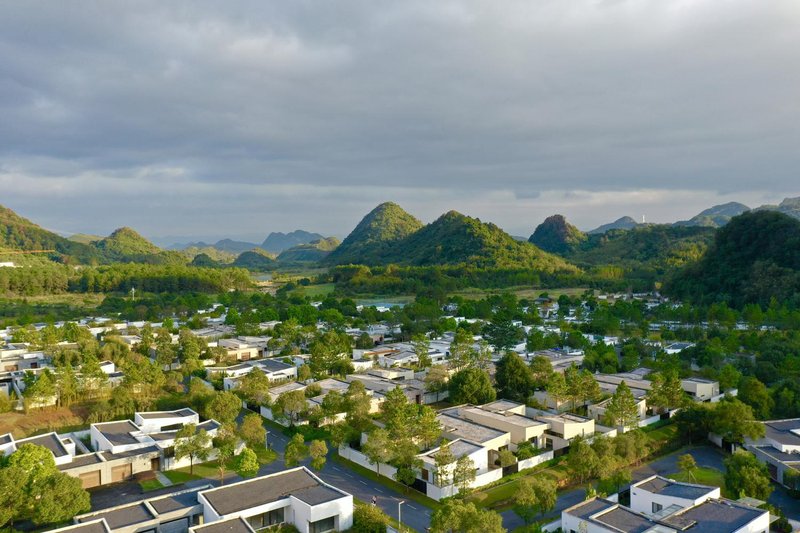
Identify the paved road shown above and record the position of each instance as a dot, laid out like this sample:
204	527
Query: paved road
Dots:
414	514
706	456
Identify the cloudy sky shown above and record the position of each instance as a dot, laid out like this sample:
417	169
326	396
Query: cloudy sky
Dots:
216	119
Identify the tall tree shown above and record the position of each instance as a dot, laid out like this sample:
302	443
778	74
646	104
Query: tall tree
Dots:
328	350
534	496
666	391
196	445
471	385
456	516
503	334
464	473
621	409
318	451
290	405
747	476
514	378
247	463
734	421
253	432
296	450
444	459
755	394
422	348
224	407
541	370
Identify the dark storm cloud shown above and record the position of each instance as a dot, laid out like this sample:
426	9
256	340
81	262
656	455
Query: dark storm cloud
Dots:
237	118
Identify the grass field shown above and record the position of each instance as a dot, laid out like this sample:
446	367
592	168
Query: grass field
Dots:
150	484
72	299
315	291
703	476
519	292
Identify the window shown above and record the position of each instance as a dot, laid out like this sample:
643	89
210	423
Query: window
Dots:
321	526
657	507
270	518
425	474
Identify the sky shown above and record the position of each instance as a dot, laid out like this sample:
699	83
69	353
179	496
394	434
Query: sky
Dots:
204	120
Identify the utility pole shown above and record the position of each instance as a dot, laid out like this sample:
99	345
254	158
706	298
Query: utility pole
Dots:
399	516
133	294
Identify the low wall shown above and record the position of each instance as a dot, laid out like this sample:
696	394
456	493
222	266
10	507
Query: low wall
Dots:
536	460
649	421
361	460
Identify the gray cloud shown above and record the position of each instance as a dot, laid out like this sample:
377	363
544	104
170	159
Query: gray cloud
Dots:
239	118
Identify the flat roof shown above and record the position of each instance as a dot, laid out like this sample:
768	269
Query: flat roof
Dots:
467	429
49	441
517	420
82	460
783	431
714	516
668	487
267	489
180	413
231	525
94	526
501	405
123	516
458	448
118	433
625	519
176	501
6	439
589	508
274	366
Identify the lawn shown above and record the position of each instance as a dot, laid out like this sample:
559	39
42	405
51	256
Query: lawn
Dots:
150	484
520	292
315	291
703	476
179	476
209	469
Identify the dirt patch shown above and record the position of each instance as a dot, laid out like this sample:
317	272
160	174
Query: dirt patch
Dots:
53	419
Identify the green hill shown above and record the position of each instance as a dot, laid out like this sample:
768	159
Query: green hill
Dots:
372	240
312	252
620	223
717	216
257	260
455	239
754	258
125	245
20	234
84	238
556	235
789	206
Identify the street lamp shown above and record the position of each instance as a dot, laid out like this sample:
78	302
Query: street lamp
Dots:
266	438
399	516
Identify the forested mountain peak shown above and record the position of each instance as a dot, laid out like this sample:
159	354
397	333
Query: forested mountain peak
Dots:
754	258
126	241
19	233
372	238
716	216
556	235
311	252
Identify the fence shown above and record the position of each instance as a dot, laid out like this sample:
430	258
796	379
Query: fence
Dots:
536	460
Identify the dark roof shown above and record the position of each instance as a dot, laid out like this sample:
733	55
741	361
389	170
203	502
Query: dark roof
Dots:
625	519
273	365
713	516
167	414
175	502
118	433
589	508
232	525
81	460
667	487
267	489
5	439
124	516
130	453
49	441
95	526
317	495
781	431
208	425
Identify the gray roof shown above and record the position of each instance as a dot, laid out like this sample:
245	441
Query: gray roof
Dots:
501	405
176	501
231	525
82	460
714	516
781	431
130	453
124	516
589	508
5	439
272	365
180	413
625	519
96	526
248	494
667	487
118	433
467	429
49	441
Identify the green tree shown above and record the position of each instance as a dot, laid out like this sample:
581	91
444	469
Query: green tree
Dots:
687	465
541	370
747	476
728	377
534	496
303	373
61	499
296	450
621	409
422	348
378	448
247	463
463	473
369	519
666	392
471	385
734	421
456	516
502	334
13	499
318	451
67	385
328	350
443	459
756	395
254	388
461	350
514	378
581	459
252	431
224	407
196	445
556	388
225	444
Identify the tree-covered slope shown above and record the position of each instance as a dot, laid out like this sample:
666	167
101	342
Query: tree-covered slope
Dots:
312	252
717	216
455	239
754	258
372	240
255	260
620	223
125	245
20	234
556	235
789	206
